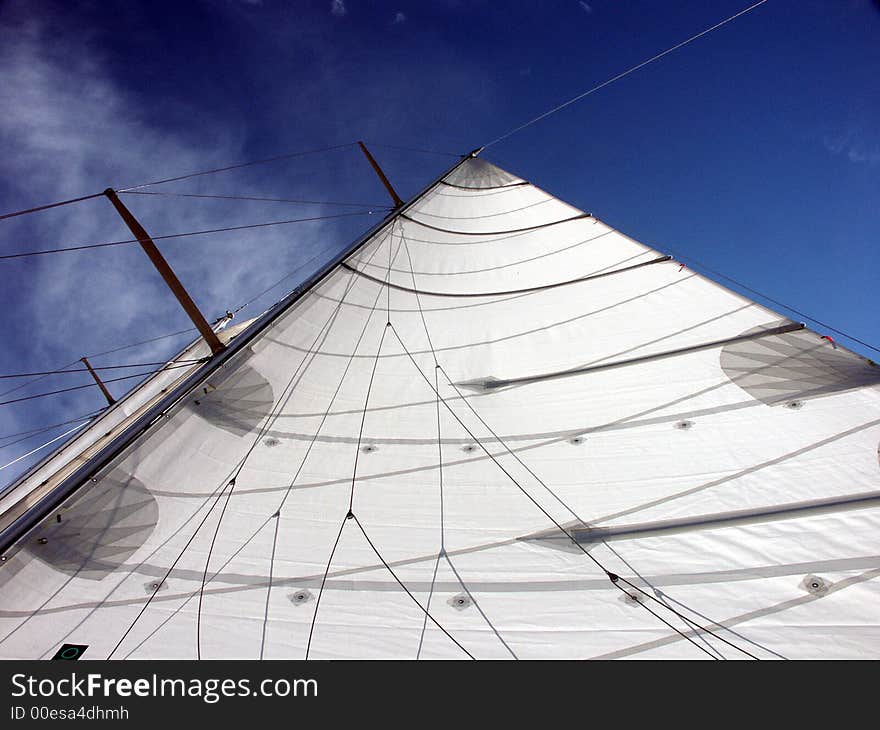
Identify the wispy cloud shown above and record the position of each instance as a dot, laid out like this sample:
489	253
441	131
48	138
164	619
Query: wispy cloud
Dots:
69	129
337	7
586	6
854	144
399	18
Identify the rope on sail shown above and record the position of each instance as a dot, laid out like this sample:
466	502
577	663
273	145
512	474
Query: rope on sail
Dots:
219	491
616	580
619	76
438	368
442	552
406	590
553	494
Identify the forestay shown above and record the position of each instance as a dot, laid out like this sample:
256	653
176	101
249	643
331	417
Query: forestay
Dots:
501	429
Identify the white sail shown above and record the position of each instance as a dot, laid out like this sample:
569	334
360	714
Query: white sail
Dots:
499	429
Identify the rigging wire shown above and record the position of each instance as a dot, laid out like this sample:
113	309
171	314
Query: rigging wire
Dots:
624	73
237	166
254	198
96	367
413	149
50	205
94	385
165	336
43	446
133	188
685	259
100	354
43	429
183	235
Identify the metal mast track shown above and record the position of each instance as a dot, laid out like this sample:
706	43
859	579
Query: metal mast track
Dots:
17	528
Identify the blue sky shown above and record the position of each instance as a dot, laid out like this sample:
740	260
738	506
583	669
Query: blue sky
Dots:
754	150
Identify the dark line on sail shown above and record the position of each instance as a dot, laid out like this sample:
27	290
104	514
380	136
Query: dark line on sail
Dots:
389	238
507	292
193	594
406	590
442	552
490	187
581	216
323	583
512	263
488	215
615	579
544	484
235	472
283	399
268	587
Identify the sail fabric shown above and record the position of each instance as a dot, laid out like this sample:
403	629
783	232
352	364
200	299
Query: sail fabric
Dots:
500	430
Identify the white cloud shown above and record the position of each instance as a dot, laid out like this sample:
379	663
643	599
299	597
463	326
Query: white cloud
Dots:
587	8
337	7
855	145
68	129
399	18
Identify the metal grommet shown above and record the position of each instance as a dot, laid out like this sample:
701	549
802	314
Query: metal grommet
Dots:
576	440
43	540
467	448
460	601
794	404
301	596
684	425
815	585
368	449
271	442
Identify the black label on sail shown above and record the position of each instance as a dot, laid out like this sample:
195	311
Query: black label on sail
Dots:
70	652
